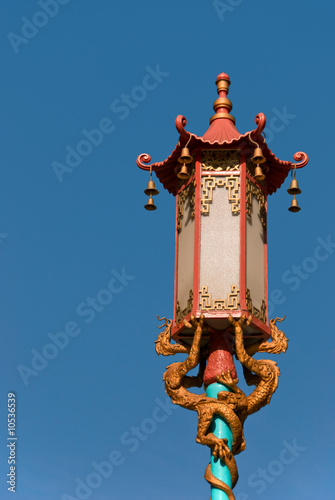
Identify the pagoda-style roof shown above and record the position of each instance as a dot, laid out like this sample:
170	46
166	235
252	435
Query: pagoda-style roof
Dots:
222	134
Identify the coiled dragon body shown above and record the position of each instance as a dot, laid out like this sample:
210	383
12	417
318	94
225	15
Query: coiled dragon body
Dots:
233	407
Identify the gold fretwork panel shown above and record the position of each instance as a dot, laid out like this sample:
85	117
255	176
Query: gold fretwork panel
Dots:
207	303
257	313
180	314
231	182
253	190
188	192
220	160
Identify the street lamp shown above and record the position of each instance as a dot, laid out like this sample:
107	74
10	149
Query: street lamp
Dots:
221	182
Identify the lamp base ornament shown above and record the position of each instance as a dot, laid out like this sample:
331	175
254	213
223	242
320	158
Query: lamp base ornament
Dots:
231	405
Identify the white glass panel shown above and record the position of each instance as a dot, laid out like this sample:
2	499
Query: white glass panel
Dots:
220	246
185	255
255	281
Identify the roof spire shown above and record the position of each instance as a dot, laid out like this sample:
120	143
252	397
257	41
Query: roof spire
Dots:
222	106
222	125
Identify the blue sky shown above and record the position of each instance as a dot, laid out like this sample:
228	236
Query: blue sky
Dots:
65	236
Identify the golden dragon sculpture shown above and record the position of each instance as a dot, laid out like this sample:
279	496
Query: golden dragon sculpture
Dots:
233	407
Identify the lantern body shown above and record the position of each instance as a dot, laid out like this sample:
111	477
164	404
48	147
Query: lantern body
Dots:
220	267
221	249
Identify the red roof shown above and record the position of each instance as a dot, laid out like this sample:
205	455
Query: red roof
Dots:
222	134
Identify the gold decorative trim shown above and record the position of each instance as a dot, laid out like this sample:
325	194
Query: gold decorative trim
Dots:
206	302
231	182
222	115
257	313
222	101
180	314
220	160
253	190
188	192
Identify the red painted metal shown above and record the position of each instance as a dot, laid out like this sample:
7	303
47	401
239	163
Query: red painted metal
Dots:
266	259
301	158
226	136
220	358
243	235
176	267
221	131
197	229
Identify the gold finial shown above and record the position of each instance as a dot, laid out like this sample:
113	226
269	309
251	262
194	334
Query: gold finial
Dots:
222	106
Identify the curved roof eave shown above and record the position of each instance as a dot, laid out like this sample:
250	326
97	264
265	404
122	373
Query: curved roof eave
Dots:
222	133
165	170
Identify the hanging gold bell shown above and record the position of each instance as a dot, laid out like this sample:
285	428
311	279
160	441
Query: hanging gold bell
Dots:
185	156
294	206
259	176
183	173
151	189
258	156
294	187
150	205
